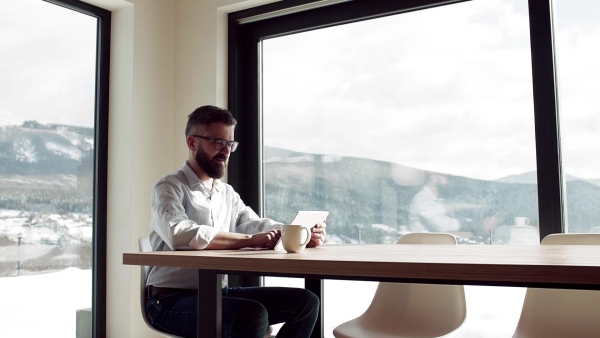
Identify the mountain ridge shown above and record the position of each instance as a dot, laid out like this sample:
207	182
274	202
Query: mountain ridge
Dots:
34	149
355	190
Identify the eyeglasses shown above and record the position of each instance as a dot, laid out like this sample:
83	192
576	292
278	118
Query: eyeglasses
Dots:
220	143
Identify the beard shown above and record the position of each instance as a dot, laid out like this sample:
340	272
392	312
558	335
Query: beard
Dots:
210	166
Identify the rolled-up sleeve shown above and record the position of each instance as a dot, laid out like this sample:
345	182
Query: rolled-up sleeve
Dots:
172	222
248	222
231	210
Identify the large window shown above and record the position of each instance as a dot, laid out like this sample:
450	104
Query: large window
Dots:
419	129
53	119
407	116
406	93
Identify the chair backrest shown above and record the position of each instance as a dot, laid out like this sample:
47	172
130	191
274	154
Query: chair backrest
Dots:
145	246
552	313
423	310
427	238
572	239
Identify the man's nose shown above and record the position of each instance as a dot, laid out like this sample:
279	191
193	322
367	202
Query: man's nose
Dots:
226	150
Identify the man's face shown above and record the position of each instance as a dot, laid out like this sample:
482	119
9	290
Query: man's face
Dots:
213	166
441	183
440	180
212	161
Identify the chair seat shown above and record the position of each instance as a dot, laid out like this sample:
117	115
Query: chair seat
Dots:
358	328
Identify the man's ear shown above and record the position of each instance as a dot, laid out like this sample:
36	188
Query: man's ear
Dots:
191	142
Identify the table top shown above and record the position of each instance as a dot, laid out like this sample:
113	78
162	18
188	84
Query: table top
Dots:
560	266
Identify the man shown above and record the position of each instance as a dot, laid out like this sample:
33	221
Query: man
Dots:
193	210
427	212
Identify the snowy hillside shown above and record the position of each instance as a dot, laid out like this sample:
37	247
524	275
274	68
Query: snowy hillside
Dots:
33	148
46	195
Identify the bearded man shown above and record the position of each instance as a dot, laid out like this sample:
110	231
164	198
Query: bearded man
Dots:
192	209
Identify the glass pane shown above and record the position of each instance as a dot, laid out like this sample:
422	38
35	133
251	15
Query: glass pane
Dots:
397	125
577	35
421	121
46	169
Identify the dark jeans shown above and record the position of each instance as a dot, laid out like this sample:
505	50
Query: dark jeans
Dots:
247	312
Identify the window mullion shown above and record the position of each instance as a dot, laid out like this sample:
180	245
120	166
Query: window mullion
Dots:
549	173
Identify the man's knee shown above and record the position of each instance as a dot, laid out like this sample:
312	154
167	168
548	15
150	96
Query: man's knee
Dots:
307	301
312	299
250	317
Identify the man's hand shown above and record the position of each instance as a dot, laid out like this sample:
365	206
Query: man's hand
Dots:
233	240
266	239
318	234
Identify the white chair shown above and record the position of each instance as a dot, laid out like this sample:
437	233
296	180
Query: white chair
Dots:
411	310
552	313
145	246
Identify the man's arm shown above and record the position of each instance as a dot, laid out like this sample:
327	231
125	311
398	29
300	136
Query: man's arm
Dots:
432	214
170	218
231	240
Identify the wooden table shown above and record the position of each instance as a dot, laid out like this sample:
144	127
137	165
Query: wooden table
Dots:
547	266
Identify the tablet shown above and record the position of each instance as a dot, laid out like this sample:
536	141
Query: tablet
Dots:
307	219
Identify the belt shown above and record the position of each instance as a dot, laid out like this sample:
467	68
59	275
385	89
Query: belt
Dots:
156	290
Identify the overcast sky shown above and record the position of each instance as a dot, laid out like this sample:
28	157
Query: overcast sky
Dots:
446	89
47	64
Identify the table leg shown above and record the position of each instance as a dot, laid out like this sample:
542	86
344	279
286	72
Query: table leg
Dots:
317	287
209	304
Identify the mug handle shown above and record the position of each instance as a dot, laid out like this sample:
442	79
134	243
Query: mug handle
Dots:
307	235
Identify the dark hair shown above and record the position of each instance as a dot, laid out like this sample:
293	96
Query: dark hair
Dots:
206	115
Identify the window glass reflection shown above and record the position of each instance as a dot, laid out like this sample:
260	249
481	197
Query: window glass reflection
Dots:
415	122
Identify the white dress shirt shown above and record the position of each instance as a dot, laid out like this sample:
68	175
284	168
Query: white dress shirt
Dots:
186	215
427	213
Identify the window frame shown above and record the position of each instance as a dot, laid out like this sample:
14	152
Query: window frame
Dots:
101	98
244	96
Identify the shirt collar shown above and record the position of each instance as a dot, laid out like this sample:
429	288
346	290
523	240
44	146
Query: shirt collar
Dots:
194	180
431	194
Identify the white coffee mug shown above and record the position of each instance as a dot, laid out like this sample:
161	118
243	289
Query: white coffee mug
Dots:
520	221
294	237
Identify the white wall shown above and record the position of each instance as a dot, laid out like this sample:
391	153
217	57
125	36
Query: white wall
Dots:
167	58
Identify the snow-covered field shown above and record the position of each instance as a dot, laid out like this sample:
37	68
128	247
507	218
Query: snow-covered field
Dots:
36	228
41	300
44	305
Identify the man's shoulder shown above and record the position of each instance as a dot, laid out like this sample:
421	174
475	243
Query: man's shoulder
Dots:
177	177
